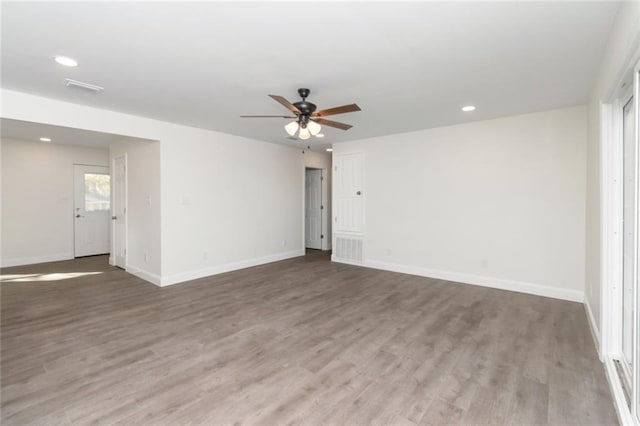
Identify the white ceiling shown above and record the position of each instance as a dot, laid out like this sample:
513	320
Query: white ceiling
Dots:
408	65
32	132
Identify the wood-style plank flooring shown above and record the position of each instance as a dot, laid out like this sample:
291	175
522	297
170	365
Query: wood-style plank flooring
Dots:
303	341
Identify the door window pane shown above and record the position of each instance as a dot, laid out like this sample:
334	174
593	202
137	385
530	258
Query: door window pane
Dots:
97	192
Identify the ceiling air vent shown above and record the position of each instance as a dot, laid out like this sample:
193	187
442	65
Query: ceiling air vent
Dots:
79	84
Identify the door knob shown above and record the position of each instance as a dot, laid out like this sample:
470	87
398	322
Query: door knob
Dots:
358	193
113	218
79	215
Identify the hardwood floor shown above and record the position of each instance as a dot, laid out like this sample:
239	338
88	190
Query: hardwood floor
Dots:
303	341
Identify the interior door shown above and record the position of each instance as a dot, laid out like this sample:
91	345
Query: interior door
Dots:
313	209
92	203
348	176
118	212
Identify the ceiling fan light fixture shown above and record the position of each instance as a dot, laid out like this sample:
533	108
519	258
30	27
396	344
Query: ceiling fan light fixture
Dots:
314	128
304	134
291	128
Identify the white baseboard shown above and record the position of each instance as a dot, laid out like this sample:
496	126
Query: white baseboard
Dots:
499	283
619	400
347	261
220	269
145	275
6	263
593	326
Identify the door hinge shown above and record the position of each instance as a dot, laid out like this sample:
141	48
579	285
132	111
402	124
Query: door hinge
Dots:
321	207
321	236
321	177
335	169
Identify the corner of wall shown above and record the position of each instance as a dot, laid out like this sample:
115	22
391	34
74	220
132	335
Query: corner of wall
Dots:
145	275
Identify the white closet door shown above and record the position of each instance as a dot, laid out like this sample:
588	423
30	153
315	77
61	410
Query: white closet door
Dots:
119	217
349	193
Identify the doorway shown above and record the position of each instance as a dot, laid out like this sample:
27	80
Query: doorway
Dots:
314	206
92	205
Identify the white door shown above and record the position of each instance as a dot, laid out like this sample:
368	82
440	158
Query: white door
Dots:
313	209
348	178
118	212
92	201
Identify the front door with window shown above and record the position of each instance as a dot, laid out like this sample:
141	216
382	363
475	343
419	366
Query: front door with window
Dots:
92	203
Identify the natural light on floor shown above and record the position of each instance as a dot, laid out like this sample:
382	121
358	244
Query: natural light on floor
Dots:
44	277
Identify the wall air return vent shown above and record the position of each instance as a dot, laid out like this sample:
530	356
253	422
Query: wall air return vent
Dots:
82	85
349	248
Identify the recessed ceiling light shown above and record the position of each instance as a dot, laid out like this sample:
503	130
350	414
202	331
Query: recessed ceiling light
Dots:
320	135
468	108
329	149
66	61
45	139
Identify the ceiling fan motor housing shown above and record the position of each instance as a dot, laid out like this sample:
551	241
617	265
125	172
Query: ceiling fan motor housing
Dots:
305	108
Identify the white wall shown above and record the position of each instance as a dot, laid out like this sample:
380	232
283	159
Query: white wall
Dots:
37	199
226	202
322	160
143	201
498	203
621	53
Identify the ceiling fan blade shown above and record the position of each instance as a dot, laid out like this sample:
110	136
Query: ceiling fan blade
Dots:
337	110
266	116
330	123
288	105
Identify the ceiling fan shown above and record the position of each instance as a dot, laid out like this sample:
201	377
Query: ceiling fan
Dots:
307	119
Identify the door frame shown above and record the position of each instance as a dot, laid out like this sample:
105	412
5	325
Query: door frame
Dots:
326	211
323	200
73	205
611	156
112	260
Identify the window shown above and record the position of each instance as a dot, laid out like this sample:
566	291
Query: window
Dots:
97	192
